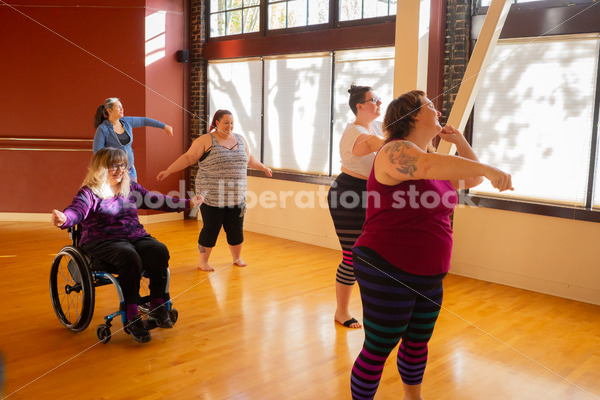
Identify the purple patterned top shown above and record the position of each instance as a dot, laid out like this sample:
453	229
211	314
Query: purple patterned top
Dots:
117	217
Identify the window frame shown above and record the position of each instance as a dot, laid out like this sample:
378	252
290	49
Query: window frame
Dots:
325	178
333	23
531	20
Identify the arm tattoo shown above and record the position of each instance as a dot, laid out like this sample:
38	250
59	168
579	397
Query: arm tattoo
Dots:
404	163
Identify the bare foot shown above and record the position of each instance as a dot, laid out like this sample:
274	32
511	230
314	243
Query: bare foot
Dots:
348	322
205	267
240	263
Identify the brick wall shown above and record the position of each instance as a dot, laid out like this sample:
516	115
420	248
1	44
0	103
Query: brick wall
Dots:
458	30
198	80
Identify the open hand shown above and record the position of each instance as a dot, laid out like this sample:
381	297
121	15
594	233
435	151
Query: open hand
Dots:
169	130
162	175
197	200
58	218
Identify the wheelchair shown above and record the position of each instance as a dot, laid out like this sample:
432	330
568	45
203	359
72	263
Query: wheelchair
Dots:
72	288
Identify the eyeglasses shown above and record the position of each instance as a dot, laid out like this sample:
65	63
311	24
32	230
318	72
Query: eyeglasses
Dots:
122	167
373	100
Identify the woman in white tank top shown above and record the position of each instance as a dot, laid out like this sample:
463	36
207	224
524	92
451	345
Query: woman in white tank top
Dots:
361	139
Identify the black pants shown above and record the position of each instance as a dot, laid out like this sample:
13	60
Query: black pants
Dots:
213	218
128	259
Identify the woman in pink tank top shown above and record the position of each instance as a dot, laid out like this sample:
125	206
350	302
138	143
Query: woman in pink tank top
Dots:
404	251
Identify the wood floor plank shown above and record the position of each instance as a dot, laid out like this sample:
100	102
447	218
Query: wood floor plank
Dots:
267	332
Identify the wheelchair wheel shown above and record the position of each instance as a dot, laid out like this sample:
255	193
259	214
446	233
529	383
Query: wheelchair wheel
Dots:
71	289
103	333
174	315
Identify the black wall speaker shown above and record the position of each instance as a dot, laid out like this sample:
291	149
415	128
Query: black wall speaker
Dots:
183	56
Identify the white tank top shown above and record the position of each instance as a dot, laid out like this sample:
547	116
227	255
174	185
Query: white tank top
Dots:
359	164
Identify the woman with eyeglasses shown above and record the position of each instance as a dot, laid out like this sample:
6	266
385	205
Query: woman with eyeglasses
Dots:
106	210
223	159
403	254
113	129
361	139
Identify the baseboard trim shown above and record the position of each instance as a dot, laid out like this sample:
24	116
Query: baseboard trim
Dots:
45	217
565	290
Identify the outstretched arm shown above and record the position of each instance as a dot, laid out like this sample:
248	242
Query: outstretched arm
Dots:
196	150
401	160
254	163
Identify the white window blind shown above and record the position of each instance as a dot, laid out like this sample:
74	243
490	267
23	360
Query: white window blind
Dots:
297	113
236	86
366	67
534	114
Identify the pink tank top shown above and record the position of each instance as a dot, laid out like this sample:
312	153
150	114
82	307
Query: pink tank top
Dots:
409	224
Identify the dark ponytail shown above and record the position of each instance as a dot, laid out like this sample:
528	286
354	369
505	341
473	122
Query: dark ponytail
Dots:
102	111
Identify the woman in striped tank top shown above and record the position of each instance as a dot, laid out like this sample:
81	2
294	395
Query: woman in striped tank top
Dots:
223	158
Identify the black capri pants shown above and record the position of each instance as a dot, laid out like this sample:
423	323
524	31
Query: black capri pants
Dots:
213	218
128	258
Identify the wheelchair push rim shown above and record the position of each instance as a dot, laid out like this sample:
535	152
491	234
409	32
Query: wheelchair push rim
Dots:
72	289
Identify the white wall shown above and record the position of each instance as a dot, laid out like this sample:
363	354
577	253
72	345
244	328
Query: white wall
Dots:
550	255
294	210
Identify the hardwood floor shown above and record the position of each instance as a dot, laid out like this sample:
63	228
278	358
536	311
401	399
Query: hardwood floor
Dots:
267	332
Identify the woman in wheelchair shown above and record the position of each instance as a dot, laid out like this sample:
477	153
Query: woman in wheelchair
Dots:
106	210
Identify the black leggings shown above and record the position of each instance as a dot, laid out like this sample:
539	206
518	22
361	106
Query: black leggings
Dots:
127	259
213	218
347	209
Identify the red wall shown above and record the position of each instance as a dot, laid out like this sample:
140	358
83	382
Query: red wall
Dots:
53	77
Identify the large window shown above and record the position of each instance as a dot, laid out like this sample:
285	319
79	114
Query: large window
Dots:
365	67
534	117
236	86
237	17
300	96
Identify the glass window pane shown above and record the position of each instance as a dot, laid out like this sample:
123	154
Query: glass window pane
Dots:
277	16
350	10
383	9
234	22
368	67
318	12
237	87
370	8
296	13
533	116
251	3
217	5
217	25
393	7
251	19
297	113
232	4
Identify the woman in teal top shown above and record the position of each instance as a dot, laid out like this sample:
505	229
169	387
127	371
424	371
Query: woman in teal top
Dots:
115	130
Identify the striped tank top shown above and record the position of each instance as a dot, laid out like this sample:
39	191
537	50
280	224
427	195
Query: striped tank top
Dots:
221	177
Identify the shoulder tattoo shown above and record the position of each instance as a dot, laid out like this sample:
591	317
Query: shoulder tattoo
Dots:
405	163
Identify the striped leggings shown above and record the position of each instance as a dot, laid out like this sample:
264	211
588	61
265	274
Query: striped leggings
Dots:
396	306
345	199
